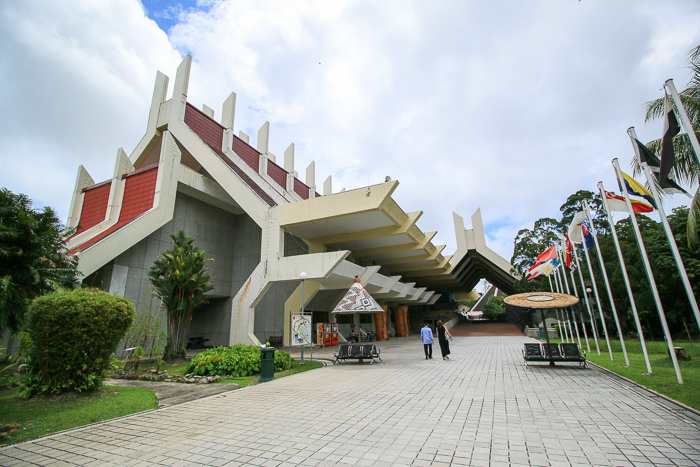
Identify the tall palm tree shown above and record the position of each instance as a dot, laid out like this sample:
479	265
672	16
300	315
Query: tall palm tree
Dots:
180	280
687	169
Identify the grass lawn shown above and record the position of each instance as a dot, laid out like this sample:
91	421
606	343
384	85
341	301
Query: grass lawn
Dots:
663	380
40	416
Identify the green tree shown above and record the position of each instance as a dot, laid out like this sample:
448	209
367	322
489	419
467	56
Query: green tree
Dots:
180	280
33	257
686	169
495	308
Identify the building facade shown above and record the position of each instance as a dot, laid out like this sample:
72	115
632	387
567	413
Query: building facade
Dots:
262	226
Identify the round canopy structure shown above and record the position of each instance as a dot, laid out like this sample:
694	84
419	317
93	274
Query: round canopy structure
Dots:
541	300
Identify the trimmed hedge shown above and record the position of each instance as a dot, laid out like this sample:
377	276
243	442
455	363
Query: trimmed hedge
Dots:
70	339
238	360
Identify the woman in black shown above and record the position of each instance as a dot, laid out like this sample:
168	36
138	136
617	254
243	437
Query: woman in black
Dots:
443	334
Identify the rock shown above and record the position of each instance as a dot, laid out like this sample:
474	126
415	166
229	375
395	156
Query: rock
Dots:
133	377
204	380
681	353
165	374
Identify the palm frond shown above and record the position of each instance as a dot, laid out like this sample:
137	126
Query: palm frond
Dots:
694	223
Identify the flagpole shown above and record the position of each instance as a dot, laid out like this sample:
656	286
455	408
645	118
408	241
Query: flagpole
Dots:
667	229
565	337
597	297
557	311
607	283
566	320
650	275
569	314
588	304
637	322
684	118
585	333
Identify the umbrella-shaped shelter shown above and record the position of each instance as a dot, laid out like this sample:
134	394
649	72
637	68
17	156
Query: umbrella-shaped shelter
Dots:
357	300
541	301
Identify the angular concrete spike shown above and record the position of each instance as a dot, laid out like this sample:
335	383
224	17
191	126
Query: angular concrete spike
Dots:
244	137
342	190
123	164
264	137
82	181
160	94
289	158
178	103
328	186
228	111
208	111
311	175
272	157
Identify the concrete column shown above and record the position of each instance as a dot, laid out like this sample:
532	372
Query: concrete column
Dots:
328	186
244	136
380	323
208	111
401	320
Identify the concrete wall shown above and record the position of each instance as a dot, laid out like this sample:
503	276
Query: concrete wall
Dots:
232	241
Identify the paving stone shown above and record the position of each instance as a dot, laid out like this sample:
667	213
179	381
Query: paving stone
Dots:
481	407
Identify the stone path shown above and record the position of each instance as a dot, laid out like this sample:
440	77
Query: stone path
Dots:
482	407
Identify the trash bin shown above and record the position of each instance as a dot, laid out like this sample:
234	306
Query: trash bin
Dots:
267	364
543	336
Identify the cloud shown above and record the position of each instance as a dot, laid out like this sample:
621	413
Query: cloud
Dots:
506	106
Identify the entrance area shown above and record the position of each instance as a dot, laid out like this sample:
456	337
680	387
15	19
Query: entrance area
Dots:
484	329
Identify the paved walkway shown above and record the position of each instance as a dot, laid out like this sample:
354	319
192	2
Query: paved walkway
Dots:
482	407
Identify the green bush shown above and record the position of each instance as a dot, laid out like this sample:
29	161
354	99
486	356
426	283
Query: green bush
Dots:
238	360
71	338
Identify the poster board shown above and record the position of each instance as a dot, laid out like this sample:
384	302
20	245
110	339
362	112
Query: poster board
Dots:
301	329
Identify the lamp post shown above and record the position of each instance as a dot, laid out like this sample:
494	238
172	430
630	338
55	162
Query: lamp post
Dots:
303	277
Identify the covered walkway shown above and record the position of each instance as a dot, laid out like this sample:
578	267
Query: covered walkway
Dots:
482	407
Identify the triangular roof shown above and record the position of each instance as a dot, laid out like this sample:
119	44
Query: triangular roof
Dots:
357	300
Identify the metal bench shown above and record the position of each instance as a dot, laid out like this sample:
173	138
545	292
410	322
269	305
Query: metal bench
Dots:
554	353
572	353
357	352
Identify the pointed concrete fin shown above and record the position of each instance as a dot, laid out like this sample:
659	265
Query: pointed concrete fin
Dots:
370	271
208	111
272	157
478	228
311	175
228	111
289	158
83	180
160	94
328	186
244	137
182	82
123	164
342	190
264	137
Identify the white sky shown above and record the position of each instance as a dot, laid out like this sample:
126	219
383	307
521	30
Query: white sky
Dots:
510	106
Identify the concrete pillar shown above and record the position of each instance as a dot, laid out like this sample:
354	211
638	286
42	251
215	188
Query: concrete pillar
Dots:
244	136
208	111
380	323
328	186
401	320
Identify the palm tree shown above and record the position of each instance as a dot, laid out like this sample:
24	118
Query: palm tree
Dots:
180	281
686	170
33	257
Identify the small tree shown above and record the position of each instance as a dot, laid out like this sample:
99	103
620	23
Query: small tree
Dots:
71	337
33	258
180	281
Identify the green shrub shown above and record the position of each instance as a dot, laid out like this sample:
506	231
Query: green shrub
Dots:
238	360
72	336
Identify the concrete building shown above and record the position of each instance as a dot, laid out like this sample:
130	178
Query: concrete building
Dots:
262	226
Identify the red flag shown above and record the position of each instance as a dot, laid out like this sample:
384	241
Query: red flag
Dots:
549	253
569	248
